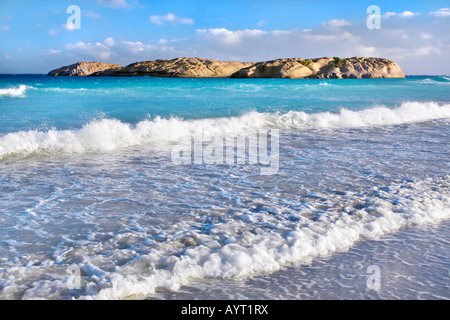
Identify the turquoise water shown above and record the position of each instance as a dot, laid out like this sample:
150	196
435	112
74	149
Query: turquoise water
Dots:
69	103
88	182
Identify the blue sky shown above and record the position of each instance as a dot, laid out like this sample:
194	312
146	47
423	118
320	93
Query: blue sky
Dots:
35	38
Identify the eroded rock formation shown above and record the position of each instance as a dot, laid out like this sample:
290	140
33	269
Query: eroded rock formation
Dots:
322	68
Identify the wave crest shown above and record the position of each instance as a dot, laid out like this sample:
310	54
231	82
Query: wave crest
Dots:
111	134
14	92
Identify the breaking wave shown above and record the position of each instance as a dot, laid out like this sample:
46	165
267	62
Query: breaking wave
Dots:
14	92
110	134
259	251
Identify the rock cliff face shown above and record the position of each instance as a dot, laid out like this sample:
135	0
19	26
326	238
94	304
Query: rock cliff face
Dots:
82	69
321	68
179	67
358	67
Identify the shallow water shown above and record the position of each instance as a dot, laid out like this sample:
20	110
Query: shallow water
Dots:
413	264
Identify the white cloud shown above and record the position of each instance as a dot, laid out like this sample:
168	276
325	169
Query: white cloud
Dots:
91	14
137	46
443	12
388	14
336	23
367	51
53	31
322	37
110	42
52	51
68	26
425	51
121	52
231	36
93	50
425	35
404	14
170	18
262	23
116	4
400	54
4	28
407	43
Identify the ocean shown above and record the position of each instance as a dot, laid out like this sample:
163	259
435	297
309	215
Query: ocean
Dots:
94	203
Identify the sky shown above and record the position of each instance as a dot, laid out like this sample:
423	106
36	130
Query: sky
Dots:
36	37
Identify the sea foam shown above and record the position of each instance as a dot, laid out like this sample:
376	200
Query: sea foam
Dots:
107	135
14	92
385	212
257	251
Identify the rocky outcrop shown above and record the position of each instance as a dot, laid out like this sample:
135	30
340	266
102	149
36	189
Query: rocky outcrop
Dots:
179	67
358	68
322	68
282	68
83	69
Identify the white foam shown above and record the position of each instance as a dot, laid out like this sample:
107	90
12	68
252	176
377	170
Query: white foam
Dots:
110	134
248	250
268	251
14	92
408	112
433	81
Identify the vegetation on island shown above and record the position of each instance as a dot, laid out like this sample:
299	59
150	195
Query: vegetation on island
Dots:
338	63
305	62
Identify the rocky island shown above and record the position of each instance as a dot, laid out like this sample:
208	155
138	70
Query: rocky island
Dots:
83	69
294	68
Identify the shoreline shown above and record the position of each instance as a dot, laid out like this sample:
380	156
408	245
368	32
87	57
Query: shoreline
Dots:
412	263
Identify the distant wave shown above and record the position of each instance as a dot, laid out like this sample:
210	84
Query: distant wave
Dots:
110	134
14	92
436	80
